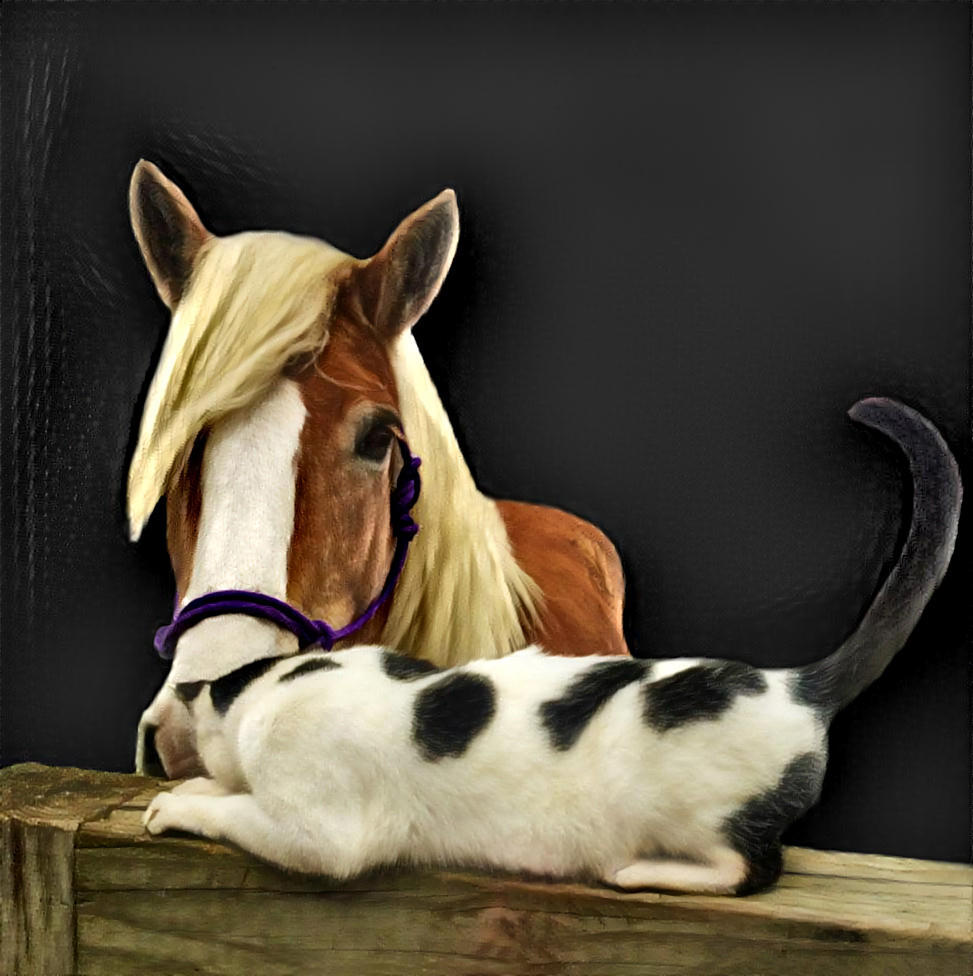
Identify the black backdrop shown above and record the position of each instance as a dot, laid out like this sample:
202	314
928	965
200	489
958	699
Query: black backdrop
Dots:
692	236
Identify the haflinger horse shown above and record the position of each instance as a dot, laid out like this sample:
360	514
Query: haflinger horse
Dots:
284	424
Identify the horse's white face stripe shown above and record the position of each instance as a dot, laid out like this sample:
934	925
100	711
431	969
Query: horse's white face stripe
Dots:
246	522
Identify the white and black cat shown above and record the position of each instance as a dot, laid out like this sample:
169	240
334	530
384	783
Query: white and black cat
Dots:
675	774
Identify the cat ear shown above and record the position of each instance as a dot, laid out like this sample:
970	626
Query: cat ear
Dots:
396	286
168	230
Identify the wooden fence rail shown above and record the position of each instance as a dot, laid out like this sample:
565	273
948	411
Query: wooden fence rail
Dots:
85	891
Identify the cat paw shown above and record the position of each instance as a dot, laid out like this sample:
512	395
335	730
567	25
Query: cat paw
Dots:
163	814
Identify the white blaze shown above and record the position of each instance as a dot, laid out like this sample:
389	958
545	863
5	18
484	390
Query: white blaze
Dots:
246	522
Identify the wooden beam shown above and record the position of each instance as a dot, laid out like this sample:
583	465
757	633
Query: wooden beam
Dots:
177	904
40	810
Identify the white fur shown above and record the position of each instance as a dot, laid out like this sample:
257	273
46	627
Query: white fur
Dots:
247	516
325	776
245	527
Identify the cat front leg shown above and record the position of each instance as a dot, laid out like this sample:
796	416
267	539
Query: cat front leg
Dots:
239	818
192	808
200	786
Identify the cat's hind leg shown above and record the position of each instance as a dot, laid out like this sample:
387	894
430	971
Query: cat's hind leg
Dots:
723	873
239	818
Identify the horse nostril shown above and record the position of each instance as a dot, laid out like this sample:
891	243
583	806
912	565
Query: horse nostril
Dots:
151	761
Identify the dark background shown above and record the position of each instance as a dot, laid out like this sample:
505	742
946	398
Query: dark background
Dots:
692	237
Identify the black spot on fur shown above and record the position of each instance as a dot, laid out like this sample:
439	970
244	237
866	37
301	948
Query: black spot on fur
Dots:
450	713
186	691
404	668
309	667
755	829
224	691
565	718
700	693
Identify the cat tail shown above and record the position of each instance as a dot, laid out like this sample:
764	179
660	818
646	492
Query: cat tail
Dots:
832	683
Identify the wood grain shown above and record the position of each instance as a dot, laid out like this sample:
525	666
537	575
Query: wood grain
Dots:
177	904
36	899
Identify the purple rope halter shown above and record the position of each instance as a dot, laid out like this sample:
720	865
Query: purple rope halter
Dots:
308	632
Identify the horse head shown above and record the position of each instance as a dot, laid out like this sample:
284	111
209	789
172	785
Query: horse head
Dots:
271	425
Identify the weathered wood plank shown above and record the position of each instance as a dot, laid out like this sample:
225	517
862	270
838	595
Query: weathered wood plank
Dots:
275	933
40	810
902	906
54	795
834	864
913	902
36	899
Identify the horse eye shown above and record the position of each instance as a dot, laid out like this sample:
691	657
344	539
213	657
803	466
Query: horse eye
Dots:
373	443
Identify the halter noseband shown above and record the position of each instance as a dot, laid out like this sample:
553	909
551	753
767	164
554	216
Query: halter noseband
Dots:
308	632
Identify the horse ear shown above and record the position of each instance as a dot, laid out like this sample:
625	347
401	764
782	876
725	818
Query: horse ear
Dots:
398	284
168	230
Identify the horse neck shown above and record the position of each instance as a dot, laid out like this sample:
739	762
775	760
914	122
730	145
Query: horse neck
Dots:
461	595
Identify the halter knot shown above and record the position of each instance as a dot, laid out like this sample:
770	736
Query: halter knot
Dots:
404	496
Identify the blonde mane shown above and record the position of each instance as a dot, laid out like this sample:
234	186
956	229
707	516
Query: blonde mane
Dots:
256	301
461	595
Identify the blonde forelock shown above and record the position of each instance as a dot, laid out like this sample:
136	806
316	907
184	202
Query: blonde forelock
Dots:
255	302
